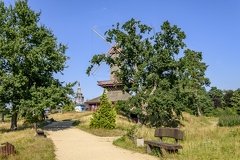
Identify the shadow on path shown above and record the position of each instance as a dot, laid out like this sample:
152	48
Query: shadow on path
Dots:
55	126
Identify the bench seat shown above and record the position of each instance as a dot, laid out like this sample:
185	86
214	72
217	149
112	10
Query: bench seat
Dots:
165	147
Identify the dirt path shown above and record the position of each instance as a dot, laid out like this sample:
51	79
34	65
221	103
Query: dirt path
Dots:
74	144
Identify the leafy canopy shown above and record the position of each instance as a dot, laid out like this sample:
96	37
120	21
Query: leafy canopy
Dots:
29	58
149	65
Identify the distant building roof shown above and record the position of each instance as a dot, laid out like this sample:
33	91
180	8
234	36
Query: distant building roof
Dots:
109	83
112	95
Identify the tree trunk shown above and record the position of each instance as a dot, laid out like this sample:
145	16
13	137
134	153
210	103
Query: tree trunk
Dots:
198	111
35	126
14	122
2	117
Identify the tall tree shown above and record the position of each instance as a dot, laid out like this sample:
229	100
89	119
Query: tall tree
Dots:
235	100
30	55
148	68
192	77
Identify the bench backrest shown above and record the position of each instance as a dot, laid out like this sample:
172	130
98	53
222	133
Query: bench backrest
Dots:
175	133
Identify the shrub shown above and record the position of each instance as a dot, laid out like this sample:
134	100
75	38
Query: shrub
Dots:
68	107
105	116
229	120
222	112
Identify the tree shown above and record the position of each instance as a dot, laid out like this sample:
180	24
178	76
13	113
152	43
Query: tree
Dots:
29	56
235	100
217	96
227	98
192	78
105	116
149	69
3	110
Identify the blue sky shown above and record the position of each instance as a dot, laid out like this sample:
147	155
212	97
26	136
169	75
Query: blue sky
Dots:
212	27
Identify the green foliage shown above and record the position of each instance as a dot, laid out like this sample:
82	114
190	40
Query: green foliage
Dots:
126	143
105	116
216	96
235	99
68	107
229	121
161	83
29	58
53	111
131	131
228	94
218	112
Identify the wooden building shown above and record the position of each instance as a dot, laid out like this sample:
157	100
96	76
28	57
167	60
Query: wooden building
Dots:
114	88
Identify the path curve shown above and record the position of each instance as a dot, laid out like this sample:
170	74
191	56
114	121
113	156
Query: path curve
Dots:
74	144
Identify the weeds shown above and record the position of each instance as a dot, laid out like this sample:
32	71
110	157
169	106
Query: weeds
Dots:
229	121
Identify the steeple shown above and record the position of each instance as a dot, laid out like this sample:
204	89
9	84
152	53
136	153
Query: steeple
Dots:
79	98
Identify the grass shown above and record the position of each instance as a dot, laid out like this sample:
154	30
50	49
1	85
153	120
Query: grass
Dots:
205	140
27	145
229	120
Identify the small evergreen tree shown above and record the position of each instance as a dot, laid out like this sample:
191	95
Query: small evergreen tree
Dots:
105	116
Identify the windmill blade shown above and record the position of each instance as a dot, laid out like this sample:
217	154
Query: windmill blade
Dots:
109	52
96	69
102	37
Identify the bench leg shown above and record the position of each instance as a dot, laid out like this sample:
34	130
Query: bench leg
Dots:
148	149
163	152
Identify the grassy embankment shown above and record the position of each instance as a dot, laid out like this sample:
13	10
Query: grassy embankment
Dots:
27	145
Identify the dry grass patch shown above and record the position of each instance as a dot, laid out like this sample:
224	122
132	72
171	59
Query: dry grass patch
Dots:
27	145
69	115
203	139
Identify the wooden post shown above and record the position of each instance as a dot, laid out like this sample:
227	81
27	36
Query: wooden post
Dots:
2	117
35	126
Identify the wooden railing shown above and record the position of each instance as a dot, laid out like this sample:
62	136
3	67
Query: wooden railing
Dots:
7	149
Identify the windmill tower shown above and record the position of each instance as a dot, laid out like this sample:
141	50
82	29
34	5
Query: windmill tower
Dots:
114	88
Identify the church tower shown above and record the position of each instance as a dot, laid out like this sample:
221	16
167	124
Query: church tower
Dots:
79	98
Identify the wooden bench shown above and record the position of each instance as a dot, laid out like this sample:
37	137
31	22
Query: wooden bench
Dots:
7	149
41	133
165	147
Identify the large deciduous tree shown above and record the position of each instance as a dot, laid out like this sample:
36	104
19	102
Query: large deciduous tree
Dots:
192	78
151	71
29	57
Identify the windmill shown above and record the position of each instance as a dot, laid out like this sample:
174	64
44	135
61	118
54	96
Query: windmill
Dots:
113	87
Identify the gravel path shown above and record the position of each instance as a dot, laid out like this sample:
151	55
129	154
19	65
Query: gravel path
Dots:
74	144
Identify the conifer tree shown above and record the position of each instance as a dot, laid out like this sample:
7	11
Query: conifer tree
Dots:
105	116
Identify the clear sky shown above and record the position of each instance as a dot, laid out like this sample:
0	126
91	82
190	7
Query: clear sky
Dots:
212	27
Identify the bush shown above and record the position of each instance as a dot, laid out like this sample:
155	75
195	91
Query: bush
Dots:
68	107
53	111
222	112
105	116
229	120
